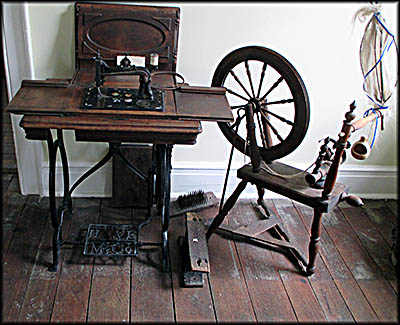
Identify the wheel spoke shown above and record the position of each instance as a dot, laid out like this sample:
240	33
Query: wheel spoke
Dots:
272	88
261	79
246	63
283	101
271	126
260	76
236	94
281	118
238	106
239	82
262	133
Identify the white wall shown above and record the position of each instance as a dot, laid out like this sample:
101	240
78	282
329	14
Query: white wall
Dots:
317	38
16	49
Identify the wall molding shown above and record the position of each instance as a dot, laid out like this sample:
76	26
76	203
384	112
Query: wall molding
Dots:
369	182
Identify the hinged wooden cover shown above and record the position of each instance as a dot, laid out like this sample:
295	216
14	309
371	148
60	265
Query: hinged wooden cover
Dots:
115	29
203	104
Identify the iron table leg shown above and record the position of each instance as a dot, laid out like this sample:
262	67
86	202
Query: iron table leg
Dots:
164	185
57	215
158	192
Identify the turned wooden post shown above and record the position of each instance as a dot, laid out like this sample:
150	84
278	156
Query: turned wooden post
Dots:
251	134
313	246
341	144
330	181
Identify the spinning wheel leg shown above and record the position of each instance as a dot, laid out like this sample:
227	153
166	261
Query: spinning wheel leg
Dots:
260	192
227	206
314	241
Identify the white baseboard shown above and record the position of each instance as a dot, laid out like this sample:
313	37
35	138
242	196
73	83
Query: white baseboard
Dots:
369	182
98	184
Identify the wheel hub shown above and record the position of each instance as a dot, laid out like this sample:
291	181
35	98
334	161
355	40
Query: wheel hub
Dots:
257	102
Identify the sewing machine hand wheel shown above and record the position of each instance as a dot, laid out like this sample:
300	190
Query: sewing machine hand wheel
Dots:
259	75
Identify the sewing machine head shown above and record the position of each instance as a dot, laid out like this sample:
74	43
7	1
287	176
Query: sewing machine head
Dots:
150	32
144	97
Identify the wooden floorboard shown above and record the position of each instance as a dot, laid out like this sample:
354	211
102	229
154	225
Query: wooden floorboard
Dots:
322	284
40	293
373	241
352	294
150	286
109	298
361	265
354	281
13	205
299	288
20	257
72	296
266	288
227	280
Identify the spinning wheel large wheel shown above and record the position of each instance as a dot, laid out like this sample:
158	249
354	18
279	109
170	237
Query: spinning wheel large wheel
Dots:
261	76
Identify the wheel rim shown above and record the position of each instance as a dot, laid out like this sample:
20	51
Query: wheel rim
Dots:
262	76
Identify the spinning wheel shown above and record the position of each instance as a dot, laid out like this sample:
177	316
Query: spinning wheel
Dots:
270	93
263	77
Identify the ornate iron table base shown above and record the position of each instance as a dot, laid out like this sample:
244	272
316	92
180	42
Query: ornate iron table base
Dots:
159	187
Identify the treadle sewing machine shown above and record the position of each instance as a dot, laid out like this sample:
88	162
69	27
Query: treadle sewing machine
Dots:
115	101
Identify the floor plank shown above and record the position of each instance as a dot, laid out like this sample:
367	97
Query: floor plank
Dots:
354	297
260	272
109	299
354	280
20	257
372	240
322	284
229	289
298	288
71	300
148	281
40	293
363	268
6	179
393	206
382	217
12	207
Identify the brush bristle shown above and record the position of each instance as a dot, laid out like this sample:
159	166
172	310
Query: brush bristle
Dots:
191	199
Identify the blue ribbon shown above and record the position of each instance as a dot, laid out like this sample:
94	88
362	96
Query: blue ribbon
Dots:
386	49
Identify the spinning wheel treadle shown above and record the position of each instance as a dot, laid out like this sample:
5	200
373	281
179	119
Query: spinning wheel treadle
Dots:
261	76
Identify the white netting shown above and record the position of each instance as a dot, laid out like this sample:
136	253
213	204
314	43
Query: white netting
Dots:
378	56
378	59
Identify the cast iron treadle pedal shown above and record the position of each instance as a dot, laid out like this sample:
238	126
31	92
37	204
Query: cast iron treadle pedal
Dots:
111	240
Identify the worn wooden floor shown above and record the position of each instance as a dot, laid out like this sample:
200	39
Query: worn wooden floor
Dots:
354	282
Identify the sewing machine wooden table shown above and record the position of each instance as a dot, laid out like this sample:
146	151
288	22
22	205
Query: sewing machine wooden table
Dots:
103	32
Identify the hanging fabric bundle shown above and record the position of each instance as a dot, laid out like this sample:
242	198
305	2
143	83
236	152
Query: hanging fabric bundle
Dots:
378	59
